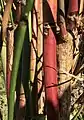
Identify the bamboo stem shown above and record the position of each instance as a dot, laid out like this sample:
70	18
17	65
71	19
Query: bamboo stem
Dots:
49	57
62	18
20	35
40	56
33	47
33	57
19	40
81	7
26	77
73	6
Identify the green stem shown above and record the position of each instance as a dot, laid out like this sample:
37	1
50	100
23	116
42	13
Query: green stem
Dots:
20	35
11	16
30	26
2	5
26	77
28	7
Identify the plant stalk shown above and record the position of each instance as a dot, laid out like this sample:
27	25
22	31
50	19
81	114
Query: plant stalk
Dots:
20	35
49	58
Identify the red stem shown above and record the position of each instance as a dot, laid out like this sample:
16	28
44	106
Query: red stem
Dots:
50	65
73	6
